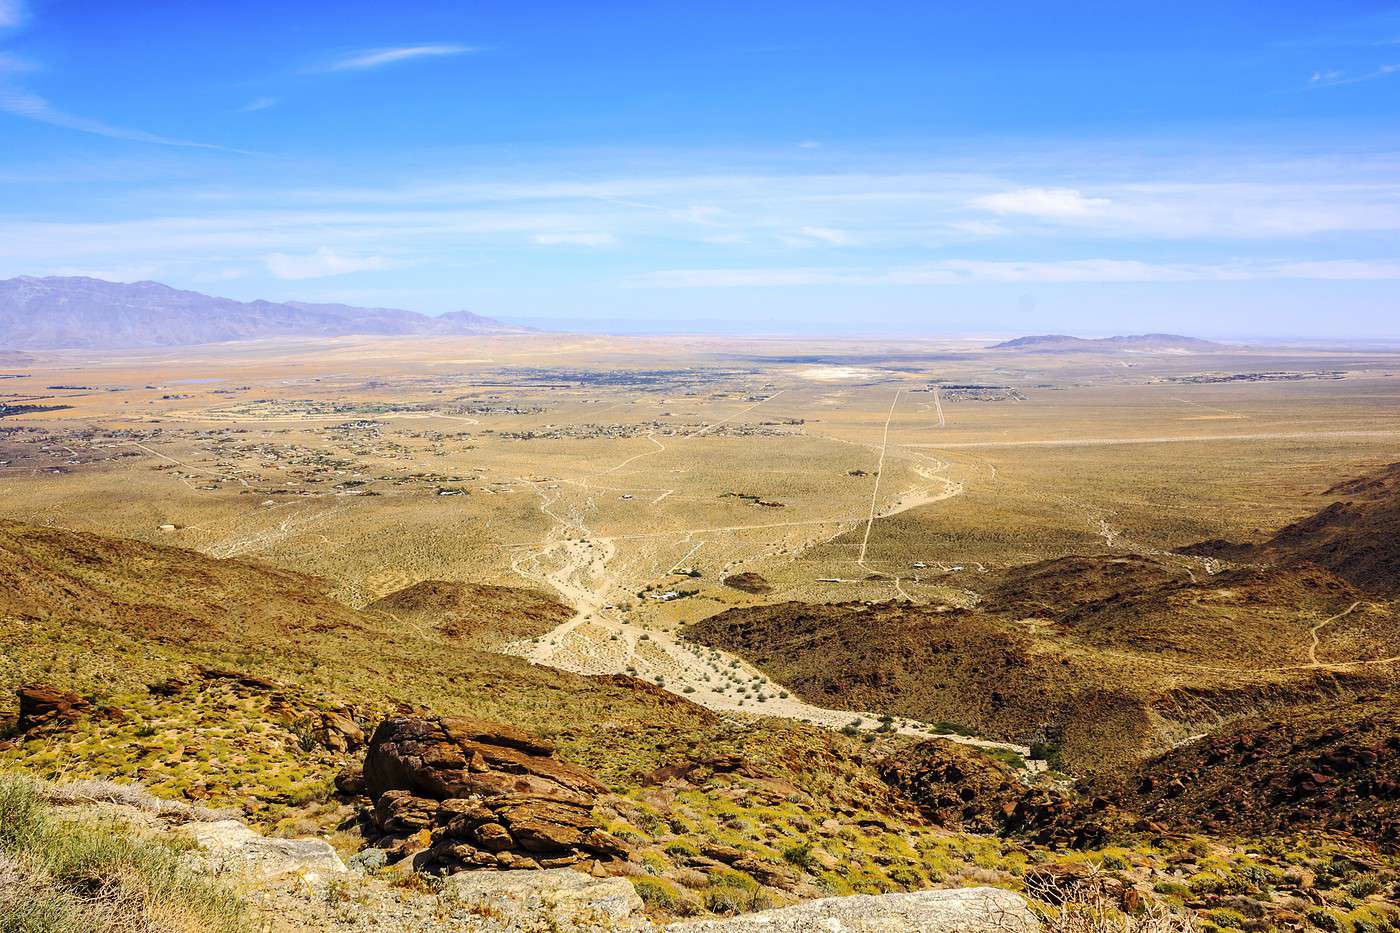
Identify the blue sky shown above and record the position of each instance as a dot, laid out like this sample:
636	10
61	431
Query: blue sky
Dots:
1221	168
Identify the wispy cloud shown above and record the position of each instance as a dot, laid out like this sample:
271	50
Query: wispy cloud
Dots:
378	58
575	239
828	235
975	272
258	103
1041	202
30	106
1338	78
321	264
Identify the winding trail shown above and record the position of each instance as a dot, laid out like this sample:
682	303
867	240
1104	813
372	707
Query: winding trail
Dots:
1313	632
599	638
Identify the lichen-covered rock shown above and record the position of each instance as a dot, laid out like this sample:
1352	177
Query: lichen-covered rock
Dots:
962	910
487	795
230	845
557	899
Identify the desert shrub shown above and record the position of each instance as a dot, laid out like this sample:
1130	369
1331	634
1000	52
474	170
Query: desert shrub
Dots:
1364	887
665	897
1088	905
1112	861
62	875
726	900
800	856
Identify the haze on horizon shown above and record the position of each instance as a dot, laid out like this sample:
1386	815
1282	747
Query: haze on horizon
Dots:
807	167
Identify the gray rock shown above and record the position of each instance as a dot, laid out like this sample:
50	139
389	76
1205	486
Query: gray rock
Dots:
561	897
230	844
962	910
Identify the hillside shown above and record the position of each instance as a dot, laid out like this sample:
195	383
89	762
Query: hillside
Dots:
485	617
1063	343
138	614
1356	537
1109	659
78	312
1330	766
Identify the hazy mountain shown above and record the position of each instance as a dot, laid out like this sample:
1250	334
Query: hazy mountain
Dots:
1059	343
74	311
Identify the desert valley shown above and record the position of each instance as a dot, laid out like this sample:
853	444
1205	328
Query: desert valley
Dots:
736	623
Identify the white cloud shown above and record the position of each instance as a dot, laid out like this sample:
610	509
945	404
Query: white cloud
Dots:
377	58
809	144
322	263
1338	78
829	235
980	272
1041	202
575	239
258	103
22	103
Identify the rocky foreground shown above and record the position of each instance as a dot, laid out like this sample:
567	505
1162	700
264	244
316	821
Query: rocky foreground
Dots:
303	885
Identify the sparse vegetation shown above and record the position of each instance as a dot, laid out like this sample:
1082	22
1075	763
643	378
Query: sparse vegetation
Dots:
59	875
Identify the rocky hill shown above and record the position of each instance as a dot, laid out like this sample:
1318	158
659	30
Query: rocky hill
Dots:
236	686
1063	343
1331	766
1109	659
1356	537
78	312
482	616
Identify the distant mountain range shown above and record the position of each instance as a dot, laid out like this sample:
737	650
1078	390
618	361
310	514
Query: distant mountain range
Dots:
1062	343
58	312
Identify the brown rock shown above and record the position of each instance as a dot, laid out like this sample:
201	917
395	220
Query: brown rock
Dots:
492	837
494	795
41	706
338	732
399	811
351	781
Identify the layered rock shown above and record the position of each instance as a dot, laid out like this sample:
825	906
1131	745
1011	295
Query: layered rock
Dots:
459	793
41	706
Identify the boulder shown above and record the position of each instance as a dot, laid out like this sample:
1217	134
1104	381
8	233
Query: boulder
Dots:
553	898
338	732
962	910
486	795
41	706
230	845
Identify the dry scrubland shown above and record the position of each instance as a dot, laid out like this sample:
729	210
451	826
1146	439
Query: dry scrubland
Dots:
250	527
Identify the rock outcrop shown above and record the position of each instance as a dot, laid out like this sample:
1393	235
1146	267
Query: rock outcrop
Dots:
41	706
964	910
459	793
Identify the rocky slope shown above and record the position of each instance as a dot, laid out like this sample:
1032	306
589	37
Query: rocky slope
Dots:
1332	767
1357	537
78	312
1106	659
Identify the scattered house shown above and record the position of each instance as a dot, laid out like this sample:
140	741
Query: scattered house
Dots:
664	597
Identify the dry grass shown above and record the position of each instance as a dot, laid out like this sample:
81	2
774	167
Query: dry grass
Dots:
86	876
